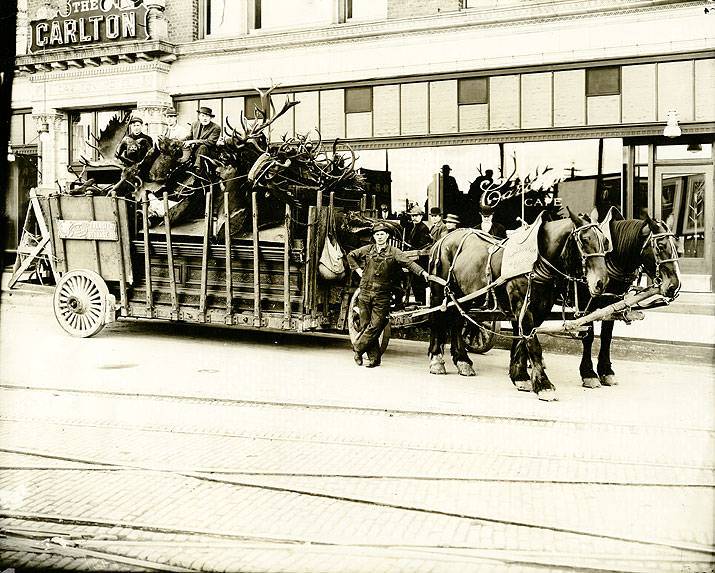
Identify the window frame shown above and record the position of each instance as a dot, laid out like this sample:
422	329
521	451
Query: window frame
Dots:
462	96
356	90
128	110
593	91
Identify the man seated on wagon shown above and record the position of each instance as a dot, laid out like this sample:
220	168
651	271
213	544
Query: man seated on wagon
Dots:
135	145
203	137
173	129
379	266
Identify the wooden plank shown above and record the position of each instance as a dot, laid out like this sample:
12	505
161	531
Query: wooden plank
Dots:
122	267
45	230
26	263
229	264
147	255
286	270
208	216
57	213
315	254
309	263
93	215
170	259
256	264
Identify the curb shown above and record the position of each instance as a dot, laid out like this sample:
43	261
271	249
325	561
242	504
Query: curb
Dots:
621	349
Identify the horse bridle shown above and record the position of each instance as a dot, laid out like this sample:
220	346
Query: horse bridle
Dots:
576	233
652	240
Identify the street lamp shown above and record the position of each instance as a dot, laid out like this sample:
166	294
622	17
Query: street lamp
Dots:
10	154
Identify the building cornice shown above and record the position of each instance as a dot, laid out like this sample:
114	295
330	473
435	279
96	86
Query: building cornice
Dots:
443	23
101	71
525	135
90	57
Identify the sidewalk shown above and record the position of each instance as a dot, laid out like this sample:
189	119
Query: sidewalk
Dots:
683	332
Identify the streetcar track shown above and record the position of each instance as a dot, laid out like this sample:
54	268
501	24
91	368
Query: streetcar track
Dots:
494	418
391	477
169	530
440	554
353	443
201	476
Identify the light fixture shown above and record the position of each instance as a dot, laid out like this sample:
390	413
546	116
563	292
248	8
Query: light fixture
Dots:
672	129
10	154
695	147
44	131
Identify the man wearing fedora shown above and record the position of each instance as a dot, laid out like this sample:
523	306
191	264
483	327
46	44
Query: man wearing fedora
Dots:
379	266
173	130
135	145
203	136
438	229
451	222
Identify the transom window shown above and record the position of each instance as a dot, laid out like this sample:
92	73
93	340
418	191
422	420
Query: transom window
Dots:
603	81
473	90
358	100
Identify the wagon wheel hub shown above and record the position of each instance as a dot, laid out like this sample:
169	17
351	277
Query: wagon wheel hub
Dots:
76	305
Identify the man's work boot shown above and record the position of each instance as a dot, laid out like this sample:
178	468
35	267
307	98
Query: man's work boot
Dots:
357	356
373	361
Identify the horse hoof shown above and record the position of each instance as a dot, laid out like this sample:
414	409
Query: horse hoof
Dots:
548	395
437	368
523	385
609	380
591	383
465	369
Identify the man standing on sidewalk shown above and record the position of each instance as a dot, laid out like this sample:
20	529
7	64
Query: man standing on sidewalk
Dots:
380	268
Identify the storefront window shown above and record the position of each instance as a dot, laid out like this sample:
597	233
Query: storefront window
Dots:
277	14
224	18
683	208
85	128
693	151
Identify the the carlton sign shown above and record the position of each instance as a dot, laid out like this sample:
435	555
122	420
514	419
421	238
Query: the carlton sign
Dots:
85	22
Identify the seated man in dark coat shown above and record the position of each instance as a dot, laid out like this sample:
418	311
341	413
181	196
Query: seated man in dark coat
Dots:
380	268
135	145
418	239
203	137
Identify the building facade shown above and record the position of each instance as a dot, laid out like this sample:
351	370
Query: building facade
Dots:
596	90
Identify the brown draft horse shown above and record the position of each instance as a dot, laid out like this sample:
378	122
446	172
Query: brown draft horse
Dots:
569	249
637	244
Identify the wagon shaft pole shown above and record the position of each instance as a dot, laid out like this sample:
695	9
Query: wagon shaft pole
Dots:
610	312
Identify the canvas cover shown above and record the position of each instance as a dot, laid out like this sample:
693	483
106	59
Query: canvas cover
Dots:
521	251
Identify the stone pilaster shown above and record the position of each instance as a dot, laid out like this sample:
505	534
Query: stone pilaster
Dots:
52	127
153	116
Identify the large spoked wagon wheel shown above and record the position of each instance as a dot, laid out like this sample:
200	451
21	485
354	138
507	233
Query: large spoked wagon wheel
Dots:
477	339
354	327
81	303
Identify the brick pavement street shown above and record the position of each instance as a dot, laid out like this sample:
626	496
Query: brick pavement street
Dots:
152	447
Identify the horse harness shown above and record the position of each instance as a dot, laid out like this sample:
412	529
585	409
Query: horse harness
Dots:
541	273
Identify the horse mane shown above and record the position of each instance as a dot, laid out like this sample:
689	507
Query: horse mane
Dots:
627	242
571	257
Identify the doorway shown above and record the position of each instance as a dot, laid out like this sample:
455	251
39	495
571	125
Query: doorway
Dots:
684	200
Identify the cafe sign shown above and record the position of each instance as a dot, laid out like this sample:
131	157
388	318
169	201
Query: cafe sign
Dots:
86	22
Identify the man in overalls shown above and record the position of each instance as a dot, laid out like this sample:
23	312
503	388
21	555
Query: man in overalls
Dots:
380	268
